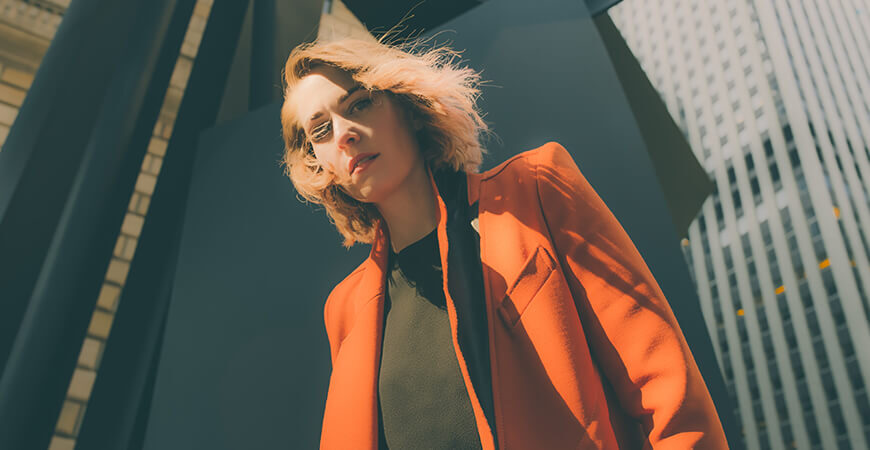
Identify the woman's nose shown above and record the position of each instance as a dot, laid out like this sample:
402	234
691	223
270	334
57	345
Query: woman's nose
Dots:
345	133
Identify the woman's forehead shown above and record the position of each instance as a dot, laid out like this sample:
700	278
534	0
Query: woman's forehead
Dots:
323	87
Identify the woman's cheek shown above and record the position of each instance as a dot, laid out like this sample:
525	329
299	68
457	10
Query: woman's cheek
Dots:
326	162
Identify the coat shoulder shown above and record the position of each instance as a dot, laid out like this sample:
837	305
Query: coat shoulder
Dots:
340	304
525	164
349	282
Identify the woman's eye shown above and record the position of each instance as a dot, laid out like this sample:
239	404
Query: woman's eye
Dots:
320	131
360	105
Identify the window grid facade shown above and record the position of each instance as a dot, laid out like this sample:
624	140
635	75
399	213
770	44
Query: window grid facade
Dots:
774	99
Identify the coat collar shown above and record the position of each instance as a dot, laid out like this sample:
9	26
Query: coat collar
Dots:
444	183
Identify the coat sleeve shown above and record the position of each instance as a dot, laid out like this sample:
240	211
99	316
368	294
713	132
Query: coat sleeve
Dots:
629	325
331	330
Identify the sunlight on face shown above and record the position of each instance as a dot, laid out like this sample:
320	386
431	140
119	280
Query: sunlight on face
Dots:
364	138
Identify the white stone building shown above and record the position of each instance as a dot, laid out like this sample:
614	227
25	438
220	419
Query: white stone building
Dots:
774	99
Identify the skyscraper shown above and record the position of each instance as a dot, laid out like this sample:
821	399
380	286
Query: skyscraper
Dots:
774	99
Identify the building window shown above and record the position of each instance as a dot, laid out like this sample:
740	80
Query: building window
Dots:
854	370
793	156
786	218
756	189
774	267
787	434
786	131
795	256
839	317
765	233
765	329
863	407
818	245
813	324
741	331
806	298
782	303
812	427
774	173
828	279
790	338
800	377
753	280
837	418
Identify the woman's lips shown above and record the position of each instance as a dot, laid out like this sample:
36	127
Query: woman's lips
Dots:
362	161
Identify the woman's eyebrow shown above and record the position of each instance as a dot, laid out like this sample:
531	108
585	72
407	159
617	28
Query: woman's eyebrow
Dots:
341	100
349	92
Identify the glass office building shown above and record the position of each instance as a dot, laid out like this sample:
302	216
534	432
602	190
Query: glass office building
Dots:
774	99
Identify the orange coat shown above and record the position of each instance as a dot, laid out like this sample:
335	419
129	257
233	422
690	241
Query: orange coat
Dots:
563	282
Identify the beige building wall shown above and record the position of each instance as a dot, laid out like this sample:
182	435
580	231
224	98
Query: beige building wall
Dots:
26	28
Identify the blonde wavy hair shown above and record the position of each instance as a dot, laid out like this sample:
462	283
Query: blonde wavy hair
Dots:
425	80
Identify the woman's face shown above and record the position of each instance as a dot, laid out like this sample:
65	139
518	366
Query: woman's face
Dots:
362	137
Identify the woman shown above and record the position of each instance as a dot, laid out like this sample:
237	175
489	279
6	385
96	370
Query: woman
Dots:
505	309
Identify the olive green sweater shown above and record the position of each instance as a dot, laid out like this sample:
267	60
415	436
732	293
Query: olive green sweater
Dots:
423	401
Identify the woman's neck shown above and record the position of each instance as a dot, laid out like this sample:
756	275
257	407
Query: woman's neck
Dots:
411	212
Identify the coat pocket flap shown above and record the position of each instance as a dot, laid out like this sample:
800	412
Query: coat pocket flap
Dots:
531	278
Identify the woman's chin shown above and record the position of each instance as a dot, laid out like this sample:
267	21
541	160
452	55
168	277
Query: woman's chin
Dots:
366	194
375	189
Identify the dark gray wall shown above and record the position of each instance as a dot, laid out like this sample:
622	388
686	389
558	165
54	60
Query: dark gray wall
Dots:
255	75
245	360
